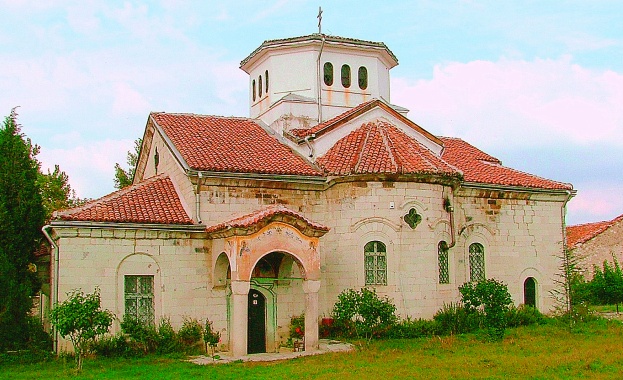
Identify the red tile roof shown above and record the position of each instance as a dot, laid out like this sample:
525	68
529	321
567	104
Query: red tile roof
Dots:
153	201
582	233
230	144
478	166
256	220
380	147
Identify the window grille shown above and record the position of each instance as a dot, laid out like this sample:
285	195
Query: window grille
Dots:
139	298
476	262
442	258
375	258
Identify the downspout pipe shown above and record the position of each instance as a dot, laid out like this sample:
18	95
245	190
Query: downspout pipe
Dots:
198	198
55	271
320	81
312	153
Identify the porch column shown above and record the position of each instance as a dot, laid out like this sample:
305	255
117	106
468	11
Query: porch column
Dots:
311	287
239	317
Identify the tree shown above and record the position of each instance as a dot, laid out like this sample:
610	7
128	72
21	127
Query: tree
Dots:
566	282
124	178
607	285
81	319
56	193
492	297
21	217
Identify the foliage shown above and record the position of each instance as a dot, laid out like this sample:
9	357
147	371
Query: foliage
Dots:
607	284
454	318
211	337
491	297
563	293
21	218
412	328
81	319
524	315
297	327
141	337
56	192
363	313
191	332
125	177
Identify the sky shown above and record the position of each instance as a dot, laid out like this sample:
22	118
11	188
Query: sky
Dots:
537	84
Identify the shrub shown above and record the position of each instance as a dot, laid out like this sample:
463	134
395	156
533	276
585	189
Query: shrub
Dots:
114	346
363	313
454	318
524	315
492	297
141	337
211	338
191	332
297	327
81	319
167	341
412	328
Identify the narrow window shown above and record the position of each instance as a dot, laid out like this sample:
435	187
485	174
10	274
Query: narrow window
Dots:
139	298
266	76
346	76
529	292
259	86
363	78
328	73
476	262
375	263
442	260
253	89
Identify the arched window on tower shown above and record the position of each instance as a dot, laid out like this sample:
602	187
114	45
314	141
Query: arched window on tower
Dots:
266	78
362	77
375	263
442	260
259	86
253	88
346	76
328	73
476	262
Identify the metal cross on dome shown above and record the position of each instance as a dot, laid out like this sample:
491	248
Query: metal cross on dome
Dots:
319	20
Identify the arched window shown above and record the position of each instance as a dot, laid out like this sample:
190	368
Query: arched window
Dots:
259	86
266	76
442	260
253	89
328	73
346	76
476	262
362	77
375	262
529	292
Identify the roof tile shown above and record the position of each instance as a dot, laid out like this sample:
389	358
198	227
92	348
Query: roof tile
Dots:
582	233
478	166
230	144
153	201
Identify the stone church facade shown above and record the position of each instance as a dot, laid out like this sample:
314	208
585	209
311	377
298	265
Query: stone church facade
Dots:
249	221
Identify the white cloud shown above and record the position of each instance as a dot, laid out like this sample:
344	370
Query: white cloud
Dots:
517	102
595	202
127	100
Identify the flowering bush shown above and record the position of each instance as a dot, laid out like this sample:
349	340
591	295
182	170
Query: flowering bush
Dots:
297	327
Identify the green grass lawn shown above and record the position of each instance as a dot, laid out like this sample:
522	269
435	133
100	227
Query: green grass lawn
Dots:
539	352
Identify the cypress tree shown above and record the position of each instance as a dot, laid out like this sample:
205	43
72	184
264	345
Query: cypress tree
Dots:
21	218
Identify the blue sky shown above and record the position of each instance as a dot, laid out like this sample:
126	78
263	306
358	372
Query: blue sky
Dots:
538	84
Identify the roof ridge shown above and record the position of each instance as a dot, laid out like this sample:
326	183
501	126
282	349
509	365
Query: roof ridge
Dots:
201	115
388	145
362	148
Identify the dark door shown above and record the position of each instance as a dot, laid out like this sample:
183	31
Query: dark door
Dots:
529	292
256	327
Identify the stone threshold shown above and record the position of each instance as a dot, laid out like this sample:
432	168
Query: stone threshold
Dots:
324	346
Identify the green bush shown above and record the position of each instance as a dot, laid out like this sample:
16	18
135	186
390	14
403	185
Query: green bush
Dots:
454	318
363	314
191	332
491	297
114	346
412	328
524	315
167	341
141	337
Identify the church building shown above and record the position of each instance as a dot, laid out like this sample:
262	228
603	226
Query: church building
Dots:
325	186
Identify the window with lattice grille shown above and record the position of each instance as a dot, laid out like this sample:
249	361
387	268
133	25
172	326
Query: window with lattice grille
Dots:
375	258
139	298
476	262
442	259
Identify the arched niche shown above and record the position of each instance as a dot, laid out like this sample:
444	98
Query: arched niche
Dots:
222	271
